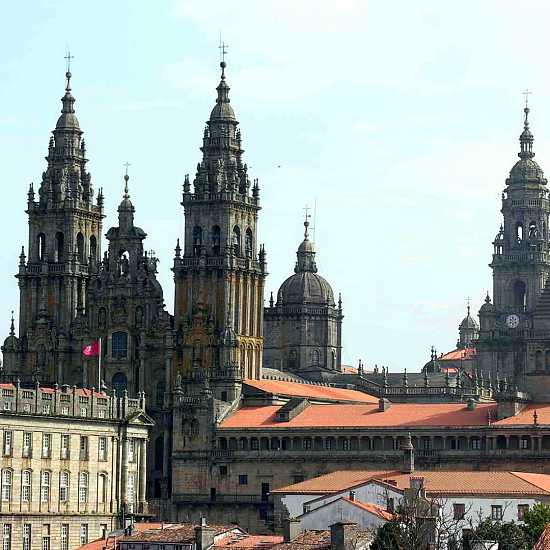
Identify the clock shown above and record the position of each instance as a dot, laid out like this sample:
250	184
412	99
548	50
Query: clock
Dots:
512	320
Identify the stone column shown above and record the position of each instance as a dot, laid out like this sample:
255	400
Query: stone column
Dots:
124	471
142	474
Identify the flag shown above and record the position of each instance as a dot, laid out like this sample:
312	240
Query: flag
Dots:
91	350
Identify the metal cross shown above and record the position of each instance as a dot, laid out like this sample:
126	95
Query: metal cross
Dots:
223	49
68	57
527	93
126	165
306	210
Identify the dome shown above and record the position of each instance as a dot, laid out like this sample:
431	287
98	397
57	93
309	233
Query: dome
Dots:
222	110
487	307
11	343
526	169
469	323
306	247
306	287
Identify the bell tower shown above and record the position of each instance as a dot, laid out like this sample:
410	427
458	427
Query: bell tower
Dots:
219	275
63	248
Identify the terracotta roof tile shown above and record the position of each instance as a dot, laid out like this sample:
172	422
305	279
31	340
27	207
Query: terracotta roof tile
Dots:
544	541
248	542
526	416
365	415
372	508
308	540
435	482
458	354
176	533
295	389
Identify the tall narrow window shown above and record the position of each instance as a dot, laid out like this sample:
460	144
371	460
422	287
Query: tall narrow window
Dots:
519	231
64	480
248	243
131	489
26	485
101	487
160	394
102	448
197	240
45	484
236	241
120	345
7	443
6	536
131	450
46	445
64	536
83	488
83	447
80	252
216	239
27	445
7	479
27	536
119	383
520	294
93	247
59	246
65	446
83	534
46	536
41	247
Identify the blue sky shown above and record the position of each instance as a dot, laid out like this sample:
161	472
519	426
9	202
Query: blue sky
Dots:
400	119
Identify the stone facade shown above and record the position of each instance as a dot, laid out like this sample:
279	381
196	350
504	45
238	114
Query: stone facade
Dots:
73	465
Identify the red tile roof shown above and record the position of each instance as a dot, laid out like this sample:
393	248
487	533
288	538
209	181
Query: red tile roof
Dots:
458	355
177	533
526	416
308	540
109	544
435	482
248	542
295	389
365	415
544	541
372	508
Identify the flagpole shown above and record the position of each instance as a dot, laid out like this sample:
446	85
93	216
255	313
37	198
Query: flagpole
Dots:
99	365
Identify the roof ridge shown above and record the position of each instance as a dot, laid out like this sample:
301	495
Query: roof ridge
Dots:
519	476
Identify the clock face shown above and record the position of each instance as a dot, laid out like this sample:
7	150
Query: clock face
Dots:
512	320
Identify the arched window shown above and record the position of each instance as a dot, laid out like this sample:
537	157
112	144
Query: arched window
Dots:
197	240
41	247
215	238
93	247
26	485
119	345
236	241
520	294
45	483
161	387
59	246
101	488
80	252
119	383
7	480
83	487
248	243
64	481
159	452
315	357
519	231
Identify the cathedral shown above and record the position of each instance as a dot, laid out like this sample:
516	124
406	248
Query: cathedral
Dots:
247	397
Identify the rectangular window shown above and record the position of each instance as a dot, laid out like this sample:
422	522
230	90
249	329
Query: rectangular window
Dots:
223	471
8	442
131	450
103	530
83	488
46	536
243	479
307	443
83	447
26	484
102	446
65	446
254	444
329	444
64	478
27	445
119	344
64	536
65	410
101	487
496	512
46	445
46	408
346	444
27	536
476	444
6	536
7	406
7	479
459	510
83	412
45	486
524	443
522	508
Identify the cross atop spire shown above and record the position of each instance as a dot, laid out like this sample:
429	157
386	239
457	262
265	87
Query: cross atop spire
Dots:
126	178
468	299
527	93
223	47
68	75
306	220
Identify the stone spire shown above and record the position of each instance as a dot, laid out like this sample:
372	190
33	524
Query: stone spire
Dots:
126	208
306	254
526	138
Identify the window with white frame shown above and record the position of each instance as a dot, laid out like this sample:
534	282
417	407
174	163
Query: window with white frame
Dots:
83	487
27	536
46	445
64	480
46	408
6	536
83	534
27	445
101	487
8	443
496	512
46	536
65	446
102	447
7	481
83	447
64	536
26	485
45	484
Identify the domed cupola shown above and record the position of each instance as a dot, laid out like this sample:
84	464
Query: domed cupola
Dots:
468	330
305	286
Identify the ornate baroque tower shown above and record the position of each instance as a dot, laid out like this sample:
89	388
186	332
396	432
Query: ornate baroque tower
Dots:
521	264
219	279
64	244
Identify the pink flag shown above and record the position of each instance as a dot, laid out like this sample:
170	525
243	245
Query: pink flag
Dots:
91	350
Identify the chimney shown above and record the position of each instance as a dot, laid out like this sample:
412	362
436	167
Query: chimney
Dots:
352	496
470	404
408	454
383	404
341	535
292	527
204	535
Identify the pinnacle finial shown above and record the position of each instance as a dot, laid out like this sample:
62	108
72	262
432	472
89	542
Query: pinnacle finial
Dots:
126	178
526	138
12	326
468	305
223	47
306	221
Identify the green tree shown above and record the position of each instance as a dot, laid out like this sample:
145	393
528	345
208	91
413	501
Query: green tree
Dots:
388	536
536	519
509	535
